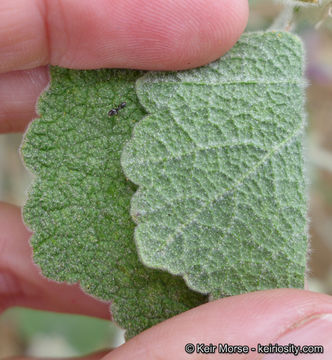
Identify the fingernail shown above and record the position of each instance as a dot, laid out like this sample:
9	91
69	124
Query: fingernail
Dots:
314	332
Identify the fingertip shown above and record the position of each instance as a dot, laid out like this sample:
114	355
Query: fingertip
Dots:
173	36
216	27
235	22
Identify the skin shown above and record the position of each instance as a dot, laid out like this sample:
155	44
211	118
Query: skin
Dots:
143	34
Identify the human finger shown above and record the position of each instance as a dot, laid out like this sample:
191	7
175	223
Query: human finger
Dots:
140	34
280	316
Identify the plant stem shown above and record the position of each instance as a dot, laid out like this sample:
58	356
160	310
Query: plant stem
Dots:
285	19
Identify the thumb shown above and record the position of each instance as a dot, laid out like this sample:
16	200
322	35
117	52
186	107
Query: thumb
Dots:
283	316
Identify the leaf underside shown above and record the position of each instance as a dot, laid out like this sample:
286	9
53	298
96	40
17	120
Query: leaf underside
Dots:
79	205
220	169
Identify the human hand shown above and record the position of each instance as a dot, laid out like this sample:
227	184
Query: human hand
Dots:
144	34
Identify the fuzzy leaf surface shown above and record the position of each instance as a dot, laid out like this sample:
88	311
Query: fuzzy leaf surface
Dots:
79	205
220	169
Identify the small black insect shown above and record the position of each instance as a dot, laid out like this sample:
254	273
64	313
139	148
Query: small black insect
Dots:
122	105
115	111
112	112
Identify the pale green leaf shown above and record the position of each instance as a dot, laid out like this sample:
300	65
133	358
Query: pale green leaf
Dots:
302	2
79	205
220	169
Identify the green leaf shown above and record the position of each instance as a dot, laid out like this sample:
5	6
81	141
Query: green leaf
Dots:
79	205
220	169
303	2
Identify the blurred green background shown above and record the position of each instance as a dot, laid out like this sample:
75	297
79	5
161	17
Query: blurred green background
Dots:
45	334
36	333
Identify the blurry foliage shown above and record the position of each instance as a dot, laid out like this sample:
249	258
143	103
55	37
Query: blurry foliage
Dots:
79	335
264	12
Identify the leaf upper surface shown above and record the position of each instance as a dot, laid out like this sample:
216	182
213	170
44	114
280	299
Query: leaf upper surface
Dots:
79	205
220	169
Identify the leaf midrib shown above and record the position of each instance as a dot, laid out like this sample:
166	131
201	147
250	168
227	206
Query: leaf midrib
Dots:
237	184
